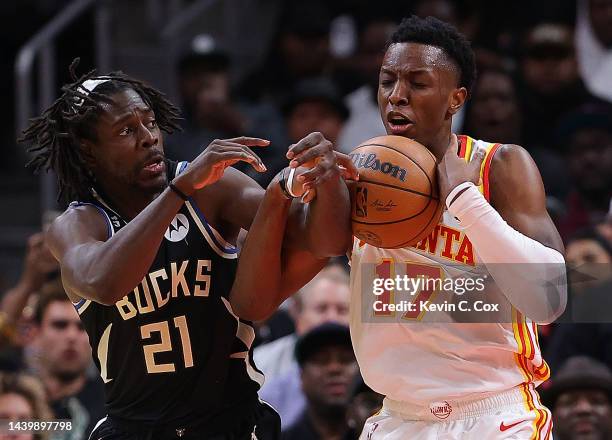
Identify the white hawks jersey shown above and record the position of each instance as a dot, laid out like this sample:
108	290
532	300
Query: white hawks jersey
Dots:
419	360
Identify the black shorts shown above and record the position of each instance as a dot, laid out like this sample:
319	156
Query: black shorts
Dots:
263	424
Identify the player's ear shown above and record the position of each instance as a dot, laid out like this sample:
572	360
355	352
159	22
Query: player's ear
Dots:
456	101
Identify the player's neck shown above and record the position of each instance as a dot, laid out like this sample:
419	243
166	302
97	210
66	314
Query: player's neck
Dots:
439	144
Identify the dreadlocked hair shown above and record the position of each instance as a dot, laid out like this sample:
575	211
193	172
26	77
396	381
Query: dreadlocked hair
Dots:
54	138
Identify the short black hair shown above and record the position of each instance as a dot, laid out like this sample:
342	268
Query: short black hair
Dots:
54	137
434	32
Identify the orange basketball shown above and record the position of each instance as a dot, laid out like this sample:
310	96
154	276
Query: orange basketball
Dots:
396	201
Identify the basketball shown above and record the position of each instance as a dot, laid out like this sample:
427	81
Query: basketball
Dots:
396	202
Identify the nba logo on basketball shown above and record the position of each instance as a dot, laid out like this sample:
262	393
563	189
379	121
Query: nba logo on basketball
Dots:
441	409
361	202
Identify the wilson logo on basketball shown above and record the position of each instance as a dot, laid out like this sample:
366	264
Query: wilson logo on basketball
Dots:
441	409
371	161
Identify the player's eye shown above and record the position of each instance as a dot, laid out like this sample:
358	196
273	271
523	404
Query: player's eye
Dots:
125	131
152	123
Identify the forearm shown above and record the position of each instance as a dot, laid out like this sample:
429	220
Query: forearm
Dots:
257	285
327	225
15	300
111	269
529	274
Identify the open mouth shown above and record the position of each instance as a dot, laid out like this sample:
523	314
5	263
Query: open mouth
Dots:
154	165
398	123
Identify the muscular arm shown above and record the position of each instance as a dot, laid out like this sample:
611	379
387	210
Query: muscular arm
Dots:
268	272
104	269
517	193
101	269
515	237
280	253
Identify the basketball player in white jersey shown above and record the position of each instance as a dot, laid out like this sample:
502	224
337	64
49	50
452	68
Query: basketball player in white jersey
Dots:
450	380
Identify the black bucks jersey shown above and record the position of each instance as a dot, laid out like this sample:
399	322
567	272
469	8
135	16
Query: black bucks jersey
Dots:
172	348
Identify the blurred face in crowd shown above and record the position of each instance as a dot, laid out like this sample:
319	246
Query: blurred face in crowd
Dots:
418	92
583	415
585	251
15	407
605	228
549	63
494	114
315	115
373	41
591	260
327	376
590	160
63	342
325	299
600	12
304	55
444	10
214	88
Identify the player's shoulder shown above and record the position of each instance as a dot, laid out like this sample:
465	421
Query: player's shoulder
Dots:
501	156
77	213
78	216
511	158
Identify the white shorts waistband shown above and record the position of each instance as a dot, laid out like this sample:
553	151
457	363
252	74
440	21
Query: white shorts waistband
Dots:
446	410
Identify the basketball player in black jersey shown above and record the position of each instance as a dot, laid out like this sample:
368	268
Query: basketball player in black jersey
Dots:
148	257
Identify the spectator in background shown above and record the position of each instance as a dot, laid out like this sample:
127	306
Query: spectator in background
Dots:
494	113
324	299
594	45
64	355
586	136
551	83
494	110
39	267
605	227
313	105
328	367
588	247
580	396
299	51
210	113
22	398
590	253
363	67
586	326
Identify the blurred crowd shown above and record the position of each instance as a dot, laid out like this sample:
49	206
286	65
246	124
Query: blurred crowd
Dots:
544	82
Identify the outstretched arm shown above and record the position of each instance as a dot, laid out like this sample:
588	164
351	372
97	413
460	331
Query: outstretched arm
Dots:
104	269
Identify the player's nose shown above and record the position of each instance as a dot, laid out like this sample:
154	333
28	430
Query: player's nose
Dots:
399	95
148	138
